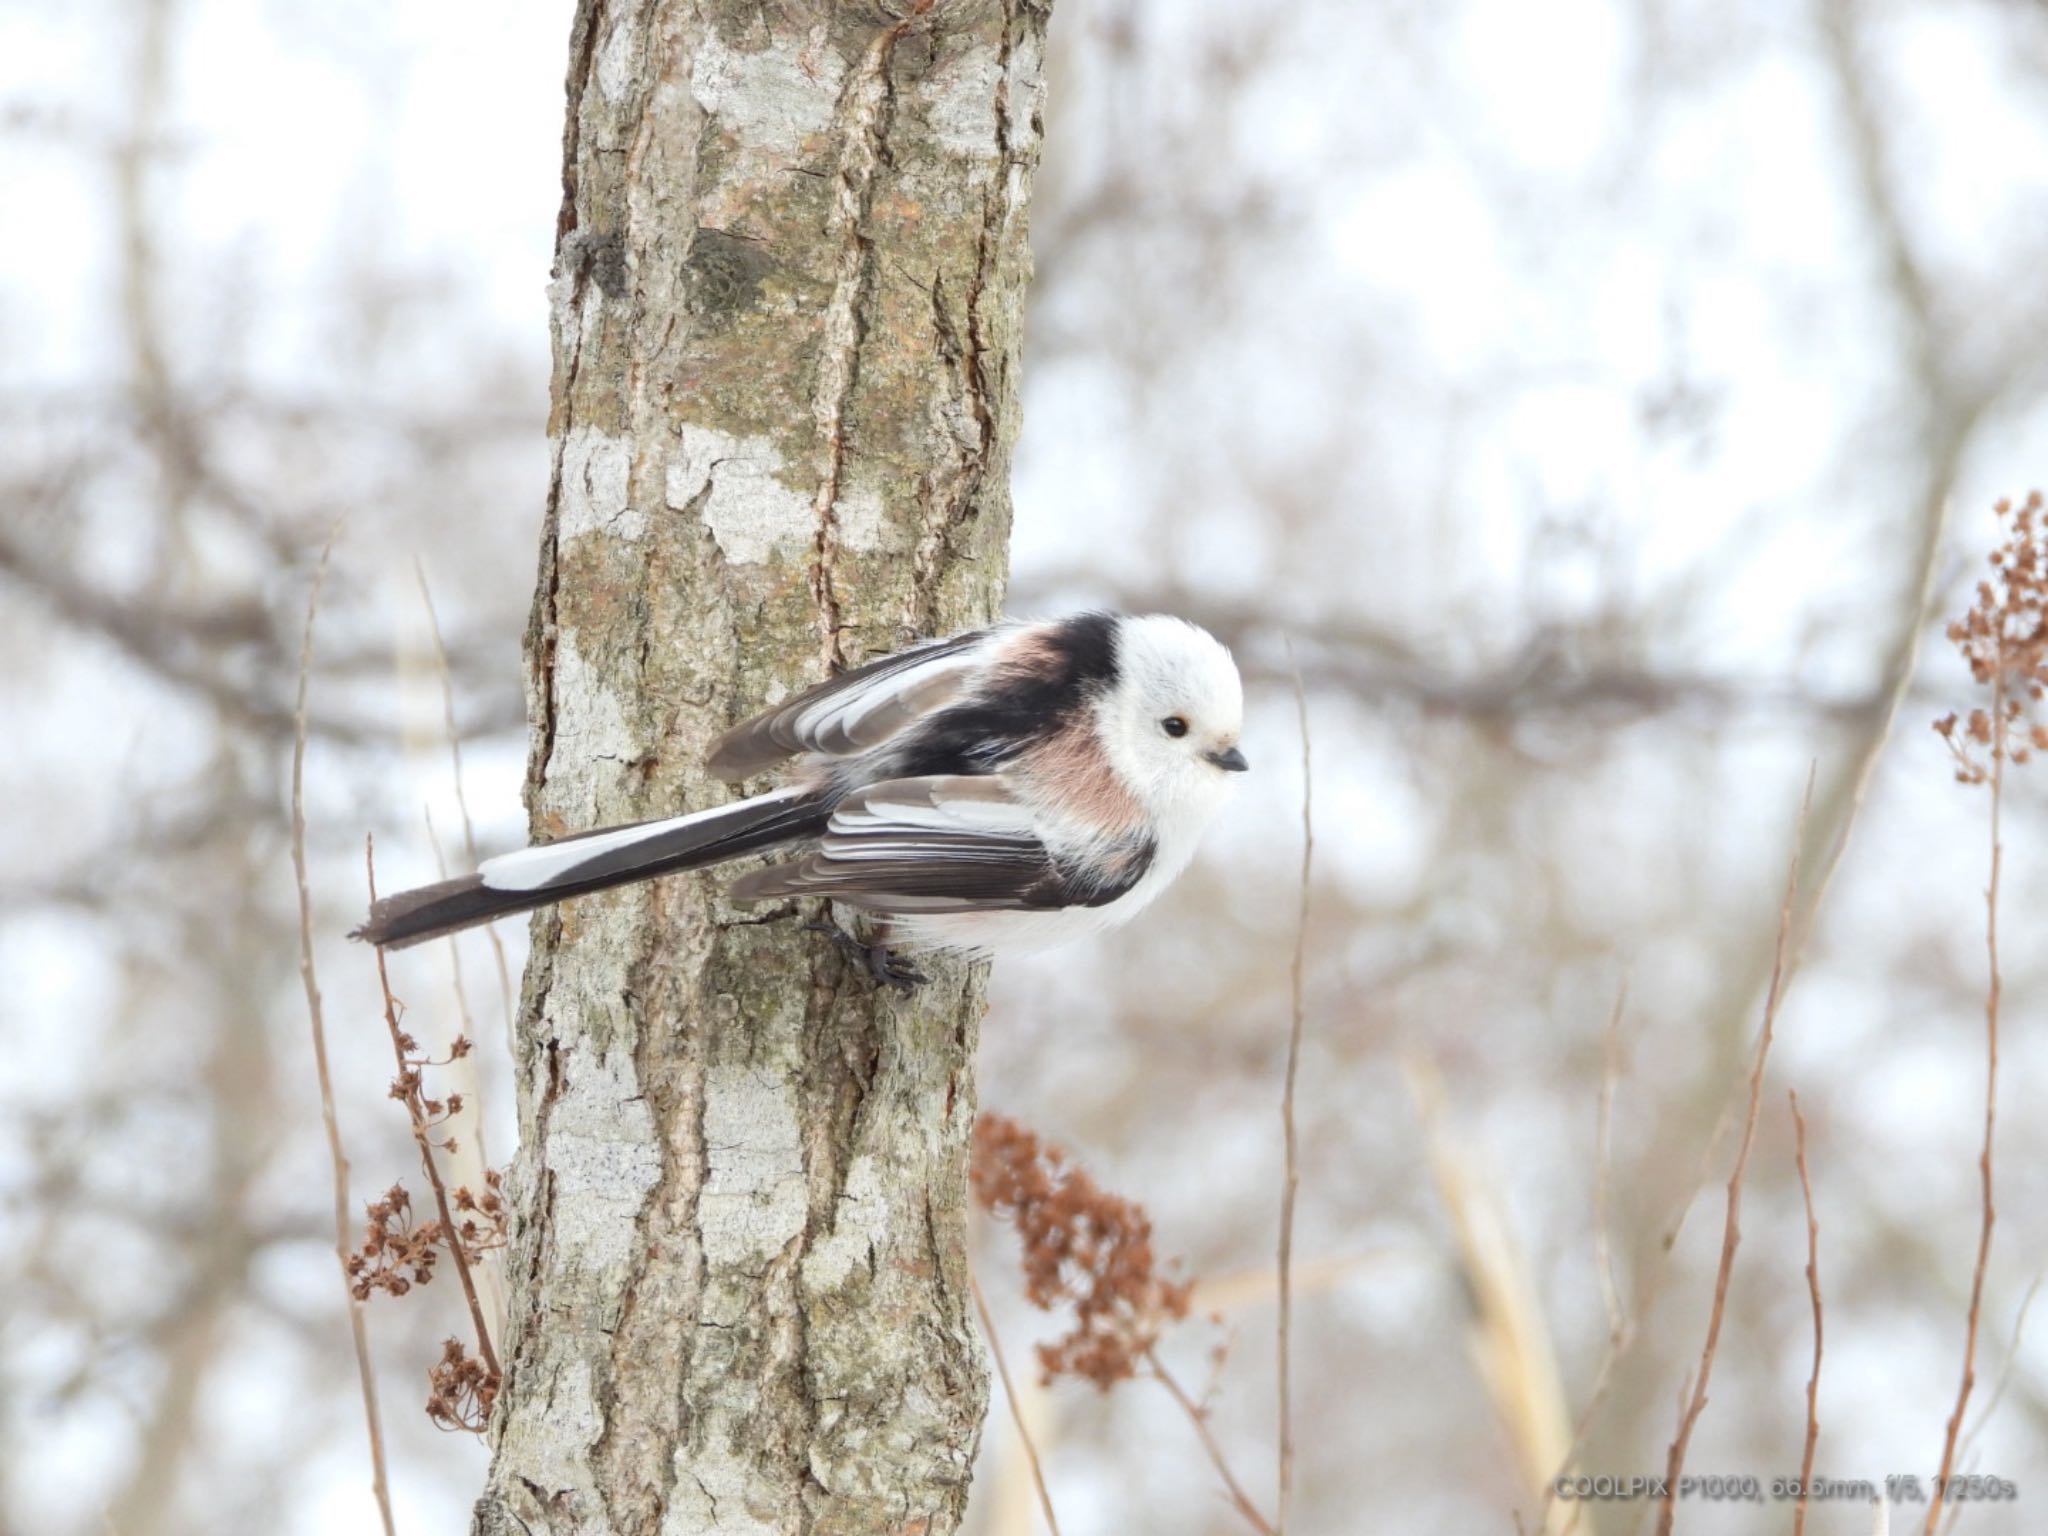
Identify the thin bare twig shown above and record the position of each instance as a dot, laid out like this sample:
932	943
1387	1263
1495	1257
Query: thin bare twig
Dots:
366	1377
995	1347
1993	988
462	1008
1731	1231
497	944
1649	1291
1291	1181
412	1096
1198	1416
1813	1287
2005	1370
475	1138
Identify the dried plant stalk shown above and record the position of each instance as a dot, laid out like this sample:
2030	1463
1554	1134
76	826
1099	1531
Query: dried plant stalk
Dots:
2004	639
1198	1417
2005	1370
1031	1459
505	992
366	1376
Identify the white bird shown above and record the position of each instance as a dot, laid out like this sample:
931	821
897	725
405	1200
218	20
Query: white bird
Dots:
1008	789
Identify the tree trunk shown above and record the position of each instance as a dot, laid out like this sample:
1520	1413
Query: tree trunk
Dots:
787	295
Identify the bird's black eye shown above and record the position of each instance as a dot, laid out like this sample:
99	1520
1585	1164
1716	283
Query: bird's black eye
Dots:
1174	726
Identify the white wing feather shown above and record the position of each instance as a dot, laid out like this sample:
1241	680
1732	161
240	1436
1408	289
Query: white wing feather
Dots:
855	713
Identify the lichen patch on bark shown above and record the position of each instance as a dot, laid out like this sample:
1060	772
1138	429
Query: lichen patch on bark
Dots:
594	733
603	1155
771	97
753	1200
596	471
734	484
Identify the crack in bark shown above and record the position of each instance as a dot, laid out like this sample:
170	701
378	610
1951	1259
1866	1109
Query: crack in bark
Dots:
573	260
583	32
633	1485
942	513
865	106
941	510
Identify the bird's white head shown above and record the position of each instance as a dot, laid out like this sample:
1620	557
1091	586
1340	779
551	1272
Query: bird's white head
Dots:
1170	723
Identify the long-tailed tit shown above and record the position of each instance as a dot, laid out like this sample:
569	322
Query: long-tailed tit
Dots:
1007	789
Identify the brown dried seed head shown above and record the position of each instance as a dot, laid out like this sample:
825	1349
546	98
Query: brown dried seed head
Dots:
2003	638
1082	1247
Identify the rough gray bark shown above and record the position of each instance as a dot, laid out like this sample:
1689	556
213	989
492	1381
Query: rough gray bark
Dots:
789	281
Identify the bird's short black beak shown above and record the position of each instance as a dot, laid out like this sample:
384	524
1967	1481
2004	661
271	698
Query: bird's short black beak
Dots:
1231	761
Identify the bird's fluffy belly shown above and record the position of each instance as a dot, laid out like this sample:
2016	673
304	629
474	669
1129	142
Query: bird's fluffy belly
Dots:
1007	933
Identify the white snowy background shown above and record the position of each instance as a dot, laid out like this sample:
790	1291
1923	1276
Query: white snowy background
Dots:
1578	388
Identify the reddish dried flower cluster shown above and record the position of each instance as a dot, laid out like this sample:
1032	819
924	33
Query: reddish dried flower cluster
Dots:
409	1087
396	1255
484	1218
1082	1245
462	1390
2004	638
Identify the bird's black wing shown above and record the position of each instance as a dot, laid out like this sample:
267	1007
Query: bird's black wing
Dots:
951	843
855	711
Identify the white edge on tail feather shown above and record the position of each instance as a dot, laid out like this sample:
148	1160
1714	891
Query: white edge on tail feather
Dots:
534	869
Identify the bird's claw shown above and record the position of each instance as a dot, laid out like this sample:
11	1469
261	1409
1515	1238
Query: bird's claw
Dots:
882	963
892	970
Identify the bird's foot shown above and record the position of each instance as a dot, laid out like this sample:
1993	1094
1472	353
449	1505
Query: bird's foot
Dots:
882	963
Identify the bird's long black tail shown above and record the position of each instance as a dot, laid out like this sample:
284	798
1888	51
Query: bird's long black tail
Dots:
594	861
